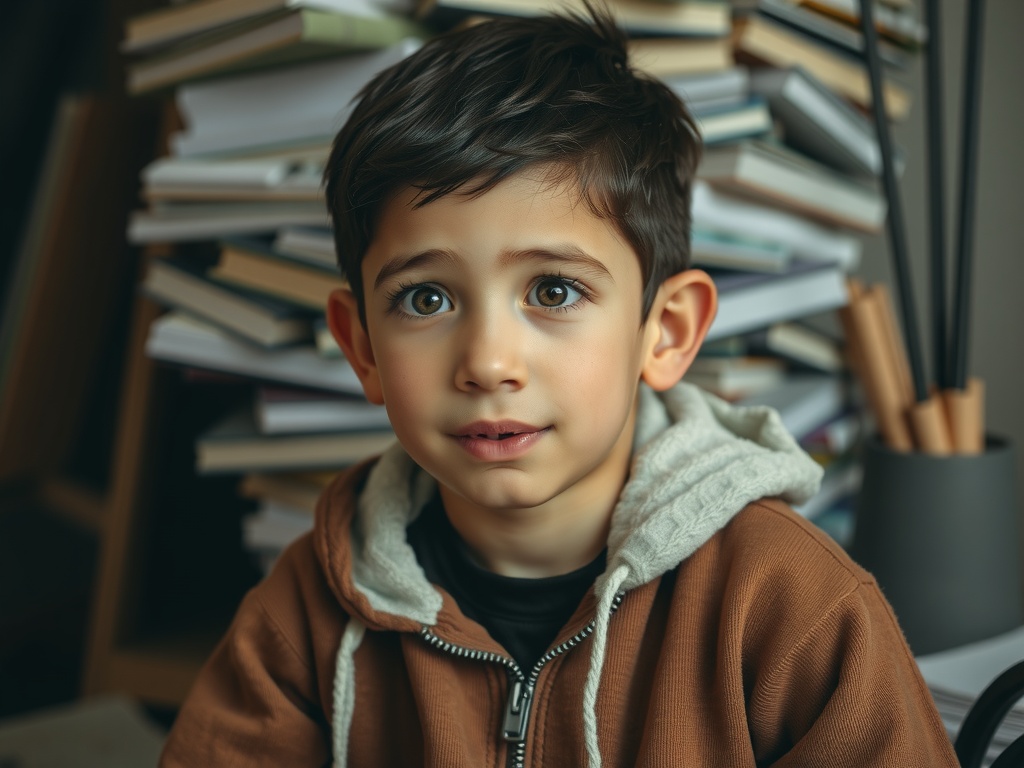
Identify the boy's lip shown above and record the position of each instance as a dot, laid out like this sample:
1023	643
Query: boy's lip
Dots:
498	440
493	430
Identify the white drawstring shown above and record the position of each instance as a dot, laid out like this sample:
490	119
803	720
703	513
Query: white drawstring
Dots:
345	689
600	639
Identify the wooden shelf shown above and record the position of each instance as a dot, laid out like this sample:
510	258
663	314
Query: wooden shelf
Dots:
167	579
70	355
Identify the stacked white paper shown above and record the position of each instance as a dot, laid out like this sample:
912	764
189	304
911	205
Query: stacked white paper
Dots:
957	677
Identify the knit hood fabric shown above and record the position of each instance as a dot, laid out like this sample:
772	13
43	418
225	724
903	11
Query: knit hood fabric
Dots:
697	461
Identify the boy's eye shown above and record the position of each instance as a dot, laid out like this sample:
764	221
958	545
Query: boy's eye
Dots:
552	292
425	300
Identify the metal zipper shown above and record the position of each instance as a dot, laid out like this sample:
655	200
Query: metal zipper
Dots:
521	688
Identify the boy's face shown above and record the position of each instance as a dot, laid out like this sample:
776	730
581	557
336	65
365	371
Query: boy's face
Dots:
504	336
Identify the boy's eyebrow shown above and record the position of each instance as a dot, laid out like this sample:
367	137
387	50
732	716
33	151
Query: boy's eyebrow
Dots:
566	252
569	253
426	258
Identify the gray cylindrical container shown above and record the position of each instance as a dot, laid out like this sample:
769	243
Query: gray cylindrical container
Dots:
942	536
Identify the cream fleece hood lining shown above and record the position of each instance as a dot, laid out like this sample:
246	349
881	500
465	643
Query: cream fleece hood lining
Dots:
697	462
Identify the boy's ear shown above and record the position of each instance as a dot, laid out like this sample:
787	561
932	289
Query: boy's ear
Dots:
676	326
347	329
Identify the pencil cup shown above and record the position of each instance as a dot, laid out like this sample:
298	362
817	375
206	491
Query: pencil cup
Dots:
941	535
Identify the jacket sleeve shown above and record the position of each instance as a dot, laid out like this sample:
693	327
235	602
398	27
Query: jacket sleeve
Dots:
849	693
256	701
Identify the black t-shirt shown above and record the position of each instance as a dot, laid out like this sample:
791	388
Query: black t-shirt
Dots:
523	615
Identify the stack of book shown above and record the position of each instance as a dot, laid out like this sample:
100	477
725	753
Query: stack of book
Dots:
286	503
786	186
779	219
259	88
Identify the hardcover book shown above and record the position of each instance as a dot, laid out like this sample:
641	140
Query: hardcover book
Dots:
182	283
752	300
760	40
818	123
274	40
651	17
184	340
235	444
781	177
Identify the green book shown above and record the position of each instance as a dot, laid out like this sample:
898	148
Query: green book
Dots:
271	40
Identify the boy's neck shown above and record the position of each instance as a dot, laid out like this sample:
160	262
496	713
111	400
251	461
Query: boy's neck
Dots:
529	543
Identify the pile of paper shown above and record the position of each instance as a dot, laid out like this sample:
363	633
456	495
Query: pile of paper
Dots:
958	676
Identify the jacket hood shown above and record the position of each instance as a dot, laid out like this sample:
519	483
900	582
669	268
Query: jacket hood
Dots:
697	461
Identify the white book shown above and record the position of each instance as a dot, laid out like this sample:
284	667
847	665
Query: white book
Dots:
178	338
178	179
235	445
716	210
723	124
299	104
733	377
804	345
210	221
819	123
312	244
748	300
225	173
712	89
280	411
784	178
709	248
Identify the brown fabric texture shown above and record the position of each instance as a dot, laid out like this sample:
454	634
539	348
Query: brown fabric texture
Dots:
766	647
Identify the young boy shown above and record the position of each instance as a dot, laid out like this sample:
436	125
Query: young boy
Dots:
568	558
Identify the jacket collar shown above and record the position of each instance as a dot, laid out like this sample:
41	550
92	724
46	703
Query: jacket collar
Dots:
697	462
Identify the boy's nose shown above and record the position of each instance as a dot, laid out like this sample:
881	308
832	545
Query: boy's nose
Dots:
492	356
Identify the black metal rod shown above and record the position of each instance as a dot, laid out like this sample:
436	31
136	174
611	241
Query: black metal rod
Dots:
971	113
897	229
936	197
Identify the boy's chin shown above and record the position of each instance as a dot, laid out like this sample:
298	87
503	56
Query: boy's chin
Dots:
503	494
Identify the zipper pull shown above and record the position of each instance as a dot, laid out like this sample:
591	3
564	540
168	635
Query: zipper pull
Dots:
517	711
